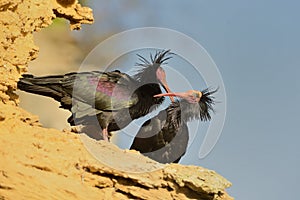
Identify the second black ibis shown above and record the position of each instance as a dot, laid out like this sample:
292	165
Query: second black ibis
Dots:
165	137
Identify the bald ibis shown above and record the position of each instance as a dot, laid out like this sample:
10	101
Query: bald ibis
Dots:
164	138
113	98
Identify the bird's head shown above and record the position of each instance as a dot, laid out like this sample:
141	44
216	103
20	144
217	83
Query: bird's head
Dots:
204	99
151	71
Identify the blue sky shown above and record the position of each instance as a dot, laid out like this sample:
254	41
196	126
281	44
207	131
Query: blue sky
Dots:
256	46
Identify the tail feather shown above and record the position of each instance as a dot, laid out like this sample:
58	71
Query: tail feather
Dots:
42	80
49	86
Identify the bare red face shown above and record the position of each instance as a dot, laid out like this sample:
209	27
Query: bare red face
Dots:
161	77
192	96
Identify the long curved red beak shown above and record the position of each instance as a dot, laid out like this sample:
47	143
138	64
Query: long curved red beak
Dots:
171	94
161	76
167	89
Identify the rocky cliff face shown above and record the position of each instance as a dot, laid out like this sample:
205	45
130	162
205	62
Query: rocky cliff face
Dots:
40	163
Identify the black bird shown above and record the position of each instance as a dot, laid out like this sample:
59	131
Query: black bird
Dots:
115	98
164	138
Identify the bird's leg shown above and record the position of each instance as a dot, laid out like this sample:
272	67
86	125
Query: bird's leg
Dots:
105	134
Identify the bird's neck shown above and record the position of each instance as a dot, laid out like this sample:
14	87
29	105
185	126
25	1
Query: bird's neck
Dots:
147	102
184	111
